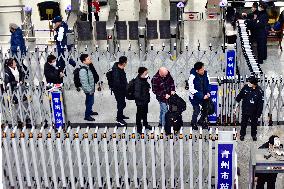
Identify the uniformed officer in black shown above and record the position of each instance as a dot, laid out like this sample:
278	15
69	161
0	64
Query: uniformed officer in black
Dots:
252	97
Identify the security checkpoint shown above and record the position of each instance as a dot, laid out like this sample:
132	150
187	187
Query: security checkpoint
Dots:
118	157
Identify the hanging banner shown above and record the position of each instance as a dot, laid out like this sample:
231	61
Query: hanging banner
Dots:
214	97
225	165
231	62
57	109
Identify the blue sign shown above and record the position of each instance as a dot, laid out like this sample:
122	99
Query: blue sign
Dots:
231	61
180	5
225	166
214	97
57	107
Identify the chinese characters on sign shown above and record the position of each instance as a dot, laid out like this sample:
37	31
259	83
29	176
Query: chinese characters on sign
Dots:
57	107
231	61
225	166
214	96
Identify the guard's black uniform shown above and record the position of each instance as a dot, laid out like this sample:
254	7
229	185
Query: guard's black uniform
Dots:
251	108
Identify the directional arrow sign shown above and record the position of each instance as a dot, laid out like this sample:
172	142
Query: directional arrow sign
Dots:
180	5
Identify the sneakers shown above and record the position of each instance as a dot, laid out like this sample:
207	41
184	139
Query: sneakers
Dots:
254	138
125	117
148	127
89	119
94	113
242	138
121	122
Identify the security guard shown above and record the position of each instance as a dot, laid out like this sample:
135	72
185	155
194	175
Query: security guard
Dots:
252	96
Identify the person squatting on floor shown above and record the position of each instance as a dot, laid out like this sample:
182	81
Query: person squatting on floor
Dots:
142	98
199	89
270	178
252	96
88	78
51	72
119	88
61	29
163	87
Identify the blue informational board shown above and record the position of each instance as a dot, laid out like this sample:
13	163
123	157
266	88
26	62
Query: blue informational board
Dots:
225	165
231	62
214	97
57	107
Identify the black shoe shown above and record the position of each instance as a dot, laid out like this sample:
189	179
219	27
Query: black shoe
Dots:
125	117
121	122
89	119
242	138
160	125
205	127
254	138
194	126
94	113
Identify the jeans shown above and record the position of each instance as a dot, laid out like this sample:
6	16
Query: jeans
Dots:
196	112
89	104
163	111
121	104
244	124
141	115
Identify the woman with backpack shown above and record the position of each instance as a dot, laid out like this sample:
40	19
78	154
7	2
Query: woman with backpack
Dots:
142	98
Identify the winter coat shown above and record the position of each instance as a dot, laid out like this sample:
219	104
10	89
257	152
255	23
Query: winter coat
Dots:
61	37
253	100
87	79
162	86
119	80
52	74
142	91
260	25
198	87
10	78
17	40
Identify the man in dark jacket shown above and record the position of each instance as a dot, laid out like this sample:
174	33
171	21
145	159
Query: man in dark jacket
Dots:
254	11
17	40
51	72
199	89
61	29
120	88
270	178
252	96
163	87
142	98
259	27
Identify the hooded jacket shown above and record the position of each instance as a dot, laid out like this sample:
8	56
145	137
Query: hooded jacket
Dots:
119	80
17	40
87	79
142	91
198	87
52	74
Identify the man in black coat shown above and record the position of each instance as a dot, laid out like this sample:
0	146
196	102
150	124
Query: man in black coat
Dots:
259	27
51	72
119	88
142	98
252	97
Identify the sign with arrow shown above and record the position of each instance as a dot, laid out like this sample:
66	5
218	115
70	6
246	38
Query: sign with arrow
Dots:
180	5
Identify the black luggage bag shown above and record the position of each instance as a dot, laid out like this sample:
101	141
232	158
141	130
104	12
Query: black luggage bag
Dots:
173	119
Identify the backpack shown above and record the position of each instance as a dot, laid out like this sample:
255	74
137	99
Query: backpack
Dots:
176	103
208	107
77	81
173	119
131	90
109	76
